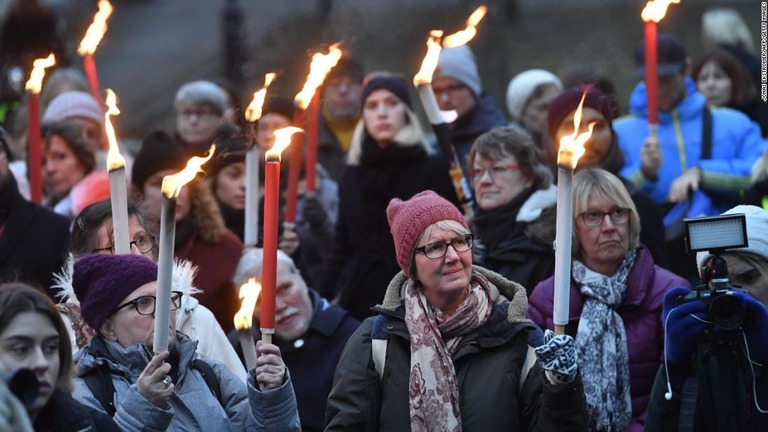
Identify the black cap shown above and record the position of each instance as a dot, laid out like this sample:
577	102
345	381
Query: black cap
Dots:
670	56
159	152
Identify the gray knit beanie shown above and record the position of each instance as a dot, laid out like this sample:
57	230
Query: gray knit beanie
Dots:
73	104
459	63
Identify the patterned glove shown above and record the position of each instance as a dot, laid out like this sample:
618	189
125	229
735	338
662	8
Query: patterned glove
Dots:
558	358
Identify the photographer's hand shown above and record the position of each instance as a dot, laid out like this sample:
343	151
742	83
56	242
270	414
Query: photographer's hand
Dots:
683	326
755	327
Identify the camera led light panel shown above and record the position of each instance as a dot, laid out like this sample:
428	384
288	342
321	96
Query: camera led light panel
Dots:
716	232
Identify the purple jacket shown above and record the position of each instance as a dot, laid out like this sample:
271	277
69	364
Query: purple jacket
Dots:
641	312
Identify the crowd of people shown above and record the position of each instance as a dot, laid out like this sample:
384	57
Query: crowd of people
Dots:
395	309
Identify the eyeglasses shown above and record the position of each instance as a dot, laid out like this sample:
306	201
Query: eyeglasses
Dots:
450	90
199	113
438	249
144	243
145	305
493	172
618	215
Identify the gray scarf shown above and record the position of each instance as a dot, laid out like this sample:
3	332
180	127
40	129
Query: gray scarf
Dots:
601	345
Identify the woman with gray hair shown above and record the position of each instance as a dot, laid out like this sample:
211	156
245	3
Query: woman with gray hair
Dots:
515	201
200	112
616	299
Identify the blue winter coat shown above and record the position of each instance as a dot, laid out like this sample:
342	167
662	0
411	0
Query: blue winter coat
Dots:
736	146
192	406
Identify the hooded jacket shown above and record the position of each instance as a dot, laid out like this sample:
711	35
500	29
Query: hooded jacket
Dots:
192	406
488	366
736	146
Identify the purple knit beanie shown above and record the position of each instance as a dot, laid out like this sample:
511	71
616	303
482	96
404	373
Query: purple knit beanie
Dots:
73	104
408	219
102	282
569	100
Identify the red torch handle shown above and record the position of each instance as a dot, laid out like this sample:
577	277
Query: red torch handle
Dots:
312	131
35	154
294	170
89	65
269	268
651	73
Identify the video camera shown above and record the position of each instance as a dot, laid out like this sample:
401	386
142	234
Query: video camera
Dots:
715	235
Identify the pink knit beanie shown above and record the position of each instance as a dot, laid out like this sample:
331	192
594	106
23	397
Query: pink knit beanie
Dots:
408	219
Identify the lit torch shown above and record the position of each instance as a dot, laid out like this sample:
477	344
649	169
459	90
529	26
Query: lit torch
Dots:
117	185
305	100
571	150
171	188
249	292
252	115
89	44
35	156
439	119
652	13
271	207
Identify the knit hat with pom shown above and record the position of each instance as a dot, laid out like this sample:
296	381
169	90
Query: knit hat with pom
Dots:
408	219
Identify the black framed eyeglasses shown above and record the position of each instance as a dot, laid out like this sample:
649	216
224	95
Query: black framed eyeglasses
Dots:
144	243
145	305
438	249
593	218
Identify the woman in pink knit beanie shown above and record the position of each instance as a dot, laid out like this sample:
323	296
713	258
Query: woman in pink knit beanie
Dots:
451	348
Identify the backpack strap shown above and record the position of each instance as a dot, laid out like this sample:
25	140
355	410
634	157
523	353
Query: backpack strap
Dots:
100	384
379	340
209	375
706	134
528	363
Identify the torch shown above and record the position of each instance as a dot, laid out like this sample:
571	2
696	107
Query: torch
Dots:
249	292
89	43
171	188
438	119
271	206
35	155
652	13
117	185
319	67
571	149
252	115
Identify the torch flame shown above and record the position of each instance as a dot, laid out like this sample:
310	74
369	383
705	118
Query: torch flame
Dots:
655	10
173	183
114	159
249	292
461	37
318	69
282	141
253	112
429	64
572	146
35	82
96	30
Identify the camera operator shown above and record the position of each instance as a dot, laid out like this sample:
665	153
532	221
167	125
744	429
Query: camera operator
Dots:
715	372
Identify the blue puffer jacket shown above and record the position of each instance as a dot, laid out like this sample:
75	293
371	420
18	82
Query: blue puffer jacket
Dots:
192	406
736	146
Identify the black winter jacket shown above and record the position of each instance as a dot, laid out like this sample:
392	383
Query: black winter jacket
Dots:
488	367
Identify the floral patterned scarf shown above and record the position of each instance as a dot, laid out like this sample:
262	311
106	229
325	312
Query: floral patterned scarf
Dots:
601	346
433	387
